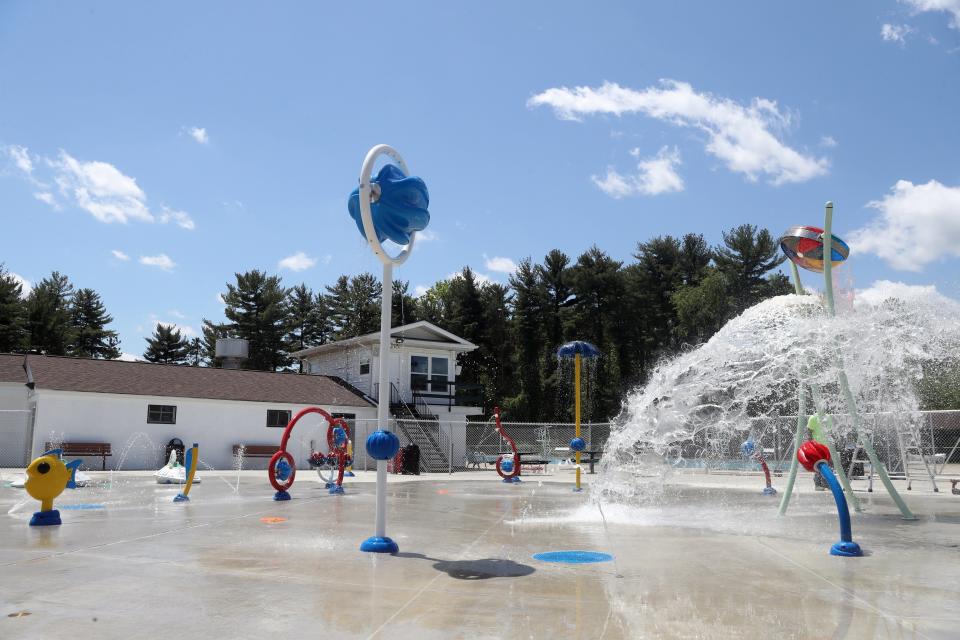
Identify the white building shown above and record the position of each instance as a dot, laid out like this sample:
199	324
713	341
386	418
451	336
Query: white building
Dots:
425	394
137	407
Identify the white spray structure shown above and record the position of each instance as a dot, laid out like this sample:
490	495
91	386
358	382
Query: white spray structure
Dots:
766	369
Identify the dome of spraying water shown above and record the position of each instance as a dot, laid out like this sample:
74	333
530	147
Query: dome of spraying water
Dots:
698	408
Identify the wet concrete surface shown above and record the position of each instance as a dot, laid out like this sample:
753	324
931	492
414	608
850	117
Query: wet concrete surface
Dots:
700	562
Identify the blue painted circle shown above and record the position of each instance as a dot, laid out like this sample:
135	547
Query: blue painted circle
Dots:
382	445
83	506
747	448
573	557
506	465
339	436
577	444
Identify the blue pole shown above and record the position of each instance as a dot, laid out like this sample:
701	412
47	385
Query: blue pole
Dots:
846	547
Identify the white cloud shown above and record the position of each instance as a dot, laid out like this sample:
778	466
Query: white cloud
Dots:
161	261
743	137
419	290
25	285
654	176
21	158
882	290
199	134
297	262
500	264
47	197
182	218
917	224
828	141
427	236
896	32
99	188
220	299
480	278
129	357
950	7
176	314
185	330
120	255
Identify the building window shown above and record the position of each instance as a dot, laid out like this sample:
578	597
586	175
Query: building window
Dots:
429	374
364	364
278	417
161	414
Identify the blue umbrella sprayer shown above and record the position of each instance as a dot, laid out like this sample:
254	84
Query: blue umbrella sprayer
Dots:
577	350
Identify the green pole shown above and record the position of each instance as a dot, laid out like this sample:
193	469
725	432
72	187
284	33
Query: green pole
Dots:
801	415
842	375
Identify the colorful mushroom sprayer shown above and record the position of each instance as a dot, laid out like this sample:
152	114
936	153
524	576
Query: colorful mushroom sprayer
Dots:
392	206
818	250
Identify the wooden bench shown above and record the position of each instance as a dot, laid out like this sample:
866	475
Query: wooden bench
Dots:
256	450
101	449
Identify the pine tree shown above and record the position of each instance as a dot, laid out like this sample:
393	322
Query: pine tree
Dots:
354	305
48	316
211	332
307	323
257	310
90	337
746	257
403	306
527	323
167	345
195	352
13	332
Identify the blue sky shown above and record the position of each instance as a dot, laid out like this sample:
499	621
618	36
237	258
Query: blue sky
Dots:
151	151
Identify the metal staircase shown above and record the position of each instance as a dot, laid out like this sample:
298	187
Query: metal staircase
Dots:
915	463
420	426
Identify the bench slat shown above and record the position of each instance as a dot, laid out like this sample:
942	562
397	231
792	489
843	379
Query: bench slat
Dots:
101	449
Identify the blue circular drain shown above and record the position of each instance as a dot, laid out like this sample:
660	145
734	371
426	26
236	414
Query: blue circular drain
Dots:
573	557
82	505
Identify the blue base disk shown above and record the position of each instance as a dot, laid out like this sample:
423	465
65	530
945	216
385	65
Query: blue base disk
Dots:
846	549
349	474
512	480
328	485
375	544
769	491
577	489
573	557
45	518
335	489
181	498
281	495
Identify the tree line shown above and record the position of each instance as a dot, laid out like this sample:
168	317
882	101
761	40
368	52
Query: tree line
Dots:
55	318
676	292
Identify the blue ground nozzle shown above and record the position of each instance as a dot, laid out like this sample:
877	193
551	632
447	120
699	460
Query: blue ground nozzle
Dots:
377	544
281	495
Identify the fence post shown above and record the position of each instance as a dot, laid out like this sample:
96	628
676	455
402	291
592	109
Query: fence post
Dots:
450	446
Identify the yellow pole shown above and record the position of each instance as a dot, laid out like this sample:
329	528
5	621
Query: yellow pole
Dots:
576	410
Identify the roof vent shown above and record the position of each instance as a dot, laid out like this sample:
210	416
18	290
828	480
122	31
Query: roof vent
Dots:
232	352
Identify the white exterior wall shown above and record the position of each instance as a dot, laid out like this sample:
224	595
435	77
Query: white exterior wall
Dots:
344	363
216	425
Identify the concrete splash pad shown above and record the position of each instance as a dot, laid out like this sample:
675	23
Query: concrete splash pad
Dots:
706	562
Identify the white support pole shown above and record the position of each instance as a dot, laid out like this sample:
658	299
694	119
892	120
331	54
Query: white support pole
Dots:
383	401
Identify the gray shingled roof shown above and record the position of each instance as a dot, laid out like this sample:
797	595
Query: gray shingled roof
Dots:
147	379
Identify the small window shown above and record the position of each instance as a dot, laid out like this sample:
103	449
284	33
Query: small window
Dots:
364	364
278	418
161	414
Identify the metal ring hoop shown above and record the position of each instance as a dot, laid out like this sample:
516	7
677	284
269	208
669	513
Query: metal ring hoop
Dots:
366	214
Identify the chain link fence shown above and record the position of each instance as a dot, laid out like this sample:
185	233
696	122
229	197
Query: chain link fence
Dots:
450	446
